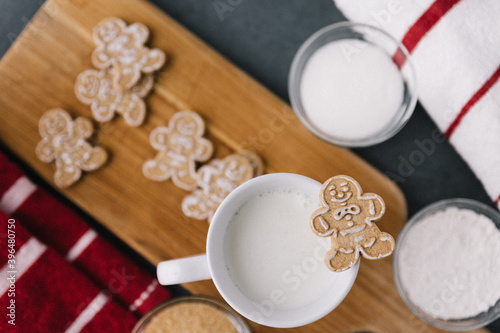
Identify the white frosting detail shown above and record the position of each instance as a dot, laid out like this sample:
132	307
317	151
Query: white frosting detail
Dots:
341	197
325	225
370	243
358	239
341	212
372	208
353	230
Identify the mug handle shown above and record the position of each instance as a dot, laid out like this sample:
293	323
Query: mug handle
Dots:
188	269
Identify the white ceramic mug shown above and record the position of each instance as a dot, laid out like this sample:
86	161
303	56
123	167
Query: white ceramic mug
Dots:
271	311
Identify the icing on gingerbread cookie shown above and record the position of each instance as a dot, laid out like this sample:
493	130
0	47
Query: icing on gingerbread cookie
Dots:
95	88
122	47
64	140
216	180
180	146
347	216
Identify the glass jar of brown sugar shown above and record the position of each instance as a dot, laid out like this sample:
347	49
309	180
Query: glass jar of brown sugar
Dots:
191	314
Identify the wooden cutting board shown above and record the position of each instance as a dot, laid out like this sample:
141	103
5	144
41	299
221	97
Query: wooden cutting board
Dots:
38	73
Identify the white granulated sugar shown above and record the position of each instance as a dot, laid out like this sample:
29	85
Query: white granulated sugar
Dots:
450	264
351	89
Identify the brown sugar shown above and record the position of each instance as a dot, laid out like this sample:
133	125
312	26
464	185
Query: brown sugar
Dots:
191	317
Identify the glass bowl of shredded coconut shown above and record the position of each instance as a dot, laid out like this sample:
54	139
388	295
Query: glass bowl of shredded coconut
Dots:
194	314
447	264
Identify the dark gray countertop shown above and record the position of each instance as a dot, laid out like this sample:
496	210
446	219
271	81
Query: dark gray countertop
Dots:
261	37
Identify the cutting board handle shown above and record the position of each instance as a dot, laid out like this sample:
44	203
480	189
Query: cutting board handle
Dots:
188	269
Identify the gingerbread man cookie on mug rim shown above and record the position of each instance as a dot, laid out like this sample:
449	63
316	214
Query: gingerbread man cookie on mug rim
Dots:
347	216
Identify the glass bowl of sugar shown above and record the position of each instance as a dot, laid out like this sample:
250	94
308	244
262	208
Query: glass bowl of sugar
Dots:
352	85
447	264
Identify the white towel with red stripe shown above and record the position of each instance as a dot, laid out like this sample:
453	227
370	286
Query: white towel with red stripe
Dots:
455	47
61	275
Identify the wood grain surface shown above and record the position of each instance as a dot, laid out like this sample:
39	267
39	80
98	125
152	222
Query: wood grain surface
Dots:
38	73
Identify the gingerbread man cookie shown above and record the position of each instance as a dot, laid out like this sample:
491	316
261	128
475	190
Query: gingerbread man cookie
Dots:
122	47
95	88
347	216
255	160
64	140
180	146
216	180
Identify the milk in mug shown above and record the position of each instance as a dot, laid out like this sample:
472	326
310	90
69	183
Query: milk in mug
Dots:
271	252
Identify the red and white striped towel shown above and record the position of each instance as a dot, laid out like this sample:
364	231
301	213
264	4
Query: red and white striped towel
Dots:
67	277
455	46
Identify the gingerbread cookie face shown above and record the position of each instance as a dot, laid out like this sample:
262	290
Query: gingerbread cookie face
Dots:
347	216
122	47
95	88
64	140
180	146
216	180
